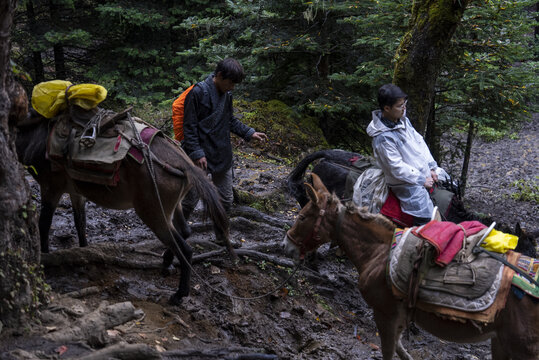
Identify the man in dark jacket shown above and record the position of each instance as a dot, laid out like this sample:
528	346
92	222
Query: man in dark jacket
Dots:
208	121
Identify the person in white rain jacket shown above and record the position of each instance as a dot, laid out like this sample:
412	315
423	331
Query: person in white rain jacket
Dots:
402	153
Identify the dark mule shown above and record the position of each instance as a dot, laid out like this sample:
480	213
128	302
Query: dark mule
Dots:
334	167
135	189
366	239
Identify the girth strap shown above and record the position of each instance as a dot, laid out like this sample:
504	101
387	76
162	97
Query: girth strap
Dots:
506	263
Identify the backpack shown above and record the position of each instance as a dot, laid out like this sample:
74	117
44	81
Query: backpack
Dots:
177	114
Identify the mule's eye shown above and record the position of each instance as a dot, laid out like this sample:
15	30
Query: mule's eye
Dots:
301	217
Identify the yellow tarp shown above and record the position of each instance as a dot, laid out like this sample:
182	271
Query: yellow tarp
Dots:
48	98
499	242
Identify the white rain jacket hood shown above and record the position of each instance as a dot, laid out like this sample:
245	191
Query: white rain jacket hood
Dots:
406	162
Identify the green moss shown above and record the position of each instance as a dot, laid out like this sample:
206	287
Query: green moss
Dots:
267	204
289	132
26	278
527	190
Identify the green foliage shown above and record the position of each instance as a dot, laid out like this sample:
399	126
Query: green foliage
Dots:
527	190
490	134
326	58
489	74
289	131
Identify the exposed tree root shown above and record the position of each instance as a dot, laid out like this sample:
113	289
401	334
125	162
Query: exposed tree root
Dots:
117	256
93	325
124	351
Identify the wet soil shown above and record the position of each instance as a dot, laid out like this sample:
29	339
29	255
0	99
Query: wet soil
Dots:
317	314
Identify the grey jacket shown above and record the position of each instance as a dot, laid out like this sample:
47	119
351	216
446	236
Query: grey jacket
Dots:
208	121
406	162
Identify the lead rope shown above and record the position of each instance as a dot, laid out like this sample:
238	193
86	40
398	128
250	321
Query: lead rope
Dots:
145	149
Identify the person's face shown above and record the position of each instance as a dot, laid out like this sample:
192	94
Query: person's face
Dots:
395	112
223	85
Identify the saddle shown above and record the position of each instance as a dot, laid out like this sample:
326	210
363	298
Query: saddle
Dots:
90	144
471	286
365	191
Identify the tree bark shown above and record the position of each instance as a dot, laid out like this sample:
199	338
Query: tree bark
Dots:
420	52
19	246
467	155
432	134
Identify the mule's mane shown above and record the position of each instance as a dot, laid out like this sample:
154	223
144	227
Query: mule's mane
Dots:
364	214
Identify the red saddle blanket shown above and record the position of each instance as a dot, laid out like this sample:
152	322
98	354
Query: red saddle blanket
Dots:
392	210
447	237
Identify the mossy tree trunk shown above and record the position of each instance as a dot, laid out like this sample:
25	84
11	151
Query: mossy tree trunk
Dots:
19	244
420	52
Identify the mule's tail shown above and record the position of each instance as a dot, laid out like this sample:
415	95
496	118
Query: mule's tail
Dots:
296	178
211	199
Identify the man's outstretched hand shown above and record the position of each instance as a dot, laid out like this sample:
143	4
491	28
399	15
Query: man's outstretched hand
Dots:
260	136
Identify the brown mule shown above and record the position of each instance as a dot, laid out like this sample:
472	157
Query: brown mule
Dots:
135	189
366	238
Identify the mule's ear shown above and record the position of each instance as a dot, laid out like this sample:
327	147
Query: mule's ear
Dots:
318	184
311	193
518	230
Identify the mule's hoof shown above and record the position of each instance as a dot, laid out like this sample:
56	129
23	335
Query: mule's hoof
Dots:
166	272
175	300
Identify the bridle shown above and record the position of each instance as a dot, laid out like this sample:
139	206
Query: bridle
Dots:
313	238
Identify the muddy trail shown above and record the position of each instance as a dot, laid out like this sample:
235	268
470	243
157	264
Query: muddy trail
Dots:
241	310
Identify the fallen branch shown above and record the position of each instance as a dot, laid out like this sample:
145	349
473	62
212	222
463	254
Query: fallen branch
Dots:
267	257
233	353
113	255
255	215
98	254
124	351
82	292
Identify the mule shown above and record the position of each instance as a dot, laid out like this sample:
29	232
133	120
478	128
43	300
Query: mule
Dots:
334	167
135	189
366	239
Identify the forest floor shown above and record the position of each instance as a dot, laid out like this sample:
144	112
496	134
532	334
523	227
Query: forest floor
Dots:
318	314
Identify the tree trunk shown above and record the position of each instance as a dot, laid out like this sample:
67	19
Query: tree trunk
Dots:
39	73
432	135
58	49
19	246
420	52
467	154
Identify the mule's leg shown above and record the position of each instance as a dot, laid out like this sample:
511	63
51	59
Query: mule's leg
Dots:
180	222
497	351
184	253
165	231
517	330
49	202
78	204
181	226
401	351
390	327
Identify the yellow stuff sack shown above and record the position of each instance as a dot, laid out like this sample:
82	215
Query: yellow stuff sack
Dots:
499	242
48	98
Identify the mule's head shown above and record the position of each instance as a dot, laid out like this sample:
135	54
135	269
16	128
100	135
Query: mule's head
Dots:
308	233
